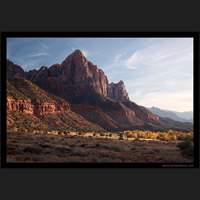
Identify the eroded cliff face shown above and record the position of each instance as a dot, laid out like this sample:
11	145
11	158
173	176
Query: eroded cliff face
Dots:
20	105
46	108
142	112
117	91
38	109
77	69
82	72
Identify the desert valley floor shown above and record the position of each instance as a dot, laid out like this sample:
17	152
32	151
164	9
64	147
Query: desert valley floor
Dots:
88	148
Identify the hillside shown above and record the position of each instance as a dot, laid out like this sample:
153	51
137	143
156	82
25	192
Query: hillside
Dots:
177	116
31	108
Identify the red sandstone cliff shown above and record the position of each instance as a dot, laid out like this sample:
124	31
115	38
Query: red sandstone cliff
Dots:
21	105
28	107
117	91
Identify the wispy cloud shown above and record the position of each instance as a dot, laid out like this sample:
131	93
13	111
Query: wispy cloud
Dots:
134	60
44	46
118	61
162	54
36	55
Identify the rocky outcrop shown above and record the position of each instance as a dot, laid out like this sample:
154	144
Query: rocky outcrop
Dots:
46	108
117	91
79	70
142	112
20	105
38	109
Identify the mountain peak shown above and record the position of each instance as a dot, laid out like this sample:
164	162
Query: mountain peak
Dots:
43	68
77	56
118	91
78	53
121	82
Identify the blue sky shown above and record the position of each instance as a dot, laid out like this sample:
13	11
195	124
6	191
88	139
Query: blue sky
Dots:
156	71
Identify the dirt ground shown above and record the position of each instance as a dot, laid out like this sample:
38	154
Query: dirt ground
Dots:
62	148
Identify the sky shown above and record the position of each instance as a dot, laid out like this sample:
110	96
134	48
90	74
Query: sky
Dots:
156	71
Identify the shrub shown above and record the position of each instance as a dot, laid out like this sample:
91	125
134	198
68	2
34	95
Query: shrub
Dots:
102	134
121	137
186	147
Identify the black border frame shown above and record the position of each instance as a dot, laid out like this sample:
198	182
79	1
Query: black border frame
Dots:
194	35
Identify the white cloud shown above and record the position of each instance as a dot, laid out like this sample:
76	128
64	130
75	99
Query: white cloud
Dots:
39	54
169	53
135	59
117	62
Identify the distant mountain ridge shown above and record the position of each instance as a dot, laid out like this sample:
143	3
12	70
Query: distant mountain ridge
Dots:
86	90
188	115
177	116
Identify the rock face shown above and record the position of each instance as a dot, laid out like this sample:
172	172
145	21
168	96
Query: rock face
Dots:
21	105
117	91
144	113
46	108
28	107
81	71
25	97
